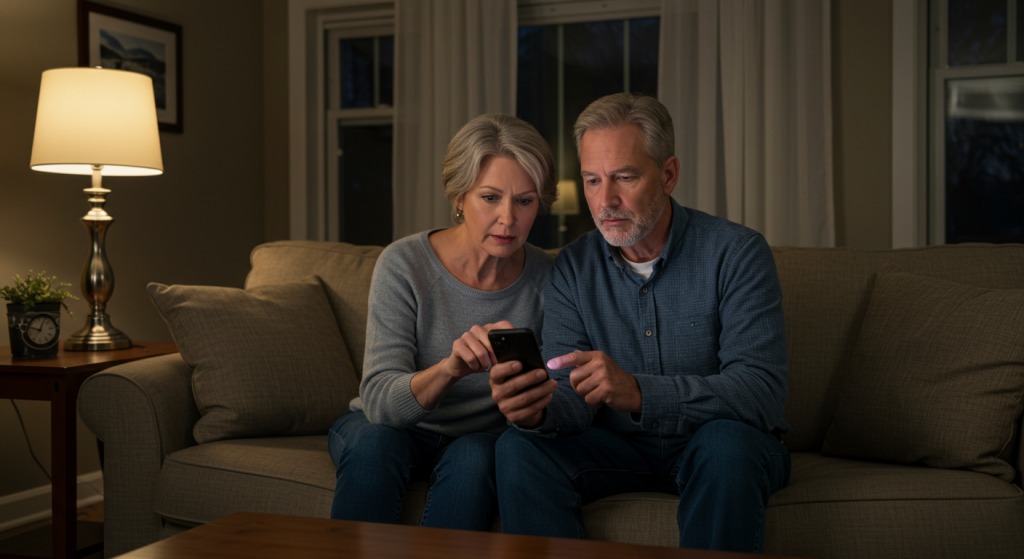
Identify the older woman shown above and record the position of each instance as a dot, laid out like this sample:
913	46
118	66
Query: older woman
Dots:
424	400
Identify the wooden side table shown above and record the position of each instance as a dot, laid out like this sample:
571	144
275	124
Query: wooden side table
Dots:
58	379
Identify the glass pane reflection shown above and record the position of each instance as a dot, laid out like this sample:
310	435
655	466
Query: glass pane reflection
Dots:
356	73
977	32
365	189
985	160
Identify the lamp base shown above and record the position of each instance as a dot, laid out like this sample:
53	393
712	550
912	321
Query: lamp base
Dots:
97	335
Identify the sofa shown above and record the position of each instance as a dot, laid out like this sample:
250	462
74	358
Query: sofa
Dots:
851	493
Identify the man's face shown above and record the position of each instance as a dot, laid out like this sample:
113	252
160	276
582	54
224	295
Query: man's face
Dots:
624	187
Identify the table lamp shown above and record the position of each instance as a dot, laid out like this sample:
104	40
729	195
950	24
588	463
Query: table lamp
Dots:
568	203
94	121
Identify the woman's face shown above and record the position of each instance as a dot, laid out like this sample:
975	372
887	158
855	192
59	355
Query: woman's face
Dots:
500	207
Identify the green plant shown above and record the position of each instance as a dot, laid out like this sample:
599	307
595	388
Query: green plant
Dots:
38	289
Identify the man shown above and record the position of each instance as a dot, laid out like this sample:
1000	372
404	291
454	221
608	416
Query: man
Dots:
664	335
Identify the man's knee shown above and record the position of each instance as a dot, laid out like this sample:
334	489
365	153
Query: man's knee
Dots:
725	449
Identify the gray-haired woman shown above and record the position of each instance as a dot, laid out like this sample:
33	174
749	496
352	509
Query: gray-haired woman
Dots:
433	298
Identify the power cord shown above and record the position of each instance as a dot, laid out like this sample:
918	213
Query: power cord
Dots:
28	442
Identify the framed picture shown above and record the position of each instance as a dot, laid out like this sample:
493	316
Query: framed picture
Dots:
115	38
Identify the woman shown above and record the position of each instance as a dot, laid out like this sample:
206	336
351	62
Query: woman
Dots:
424	400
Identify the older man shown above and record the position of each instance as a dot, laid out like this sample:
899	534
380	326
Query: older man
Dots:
664	334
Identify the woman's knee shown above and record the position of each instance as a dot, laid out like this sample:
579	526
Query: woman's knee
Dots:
359	441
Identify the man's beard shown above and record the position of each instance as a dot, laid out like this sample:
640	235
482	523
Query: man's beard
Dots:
641	224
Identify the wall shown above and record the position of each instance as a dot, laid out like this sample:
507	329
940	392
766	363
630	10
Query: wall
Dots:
195	224
862	122
275	119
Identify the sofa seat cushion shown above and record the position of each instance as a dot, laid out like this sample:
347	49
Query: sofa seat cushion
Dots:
840	486
909	511
280	475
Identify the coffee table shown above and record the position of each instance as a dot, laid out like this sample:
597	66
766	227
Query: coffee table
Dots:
57	379
272	536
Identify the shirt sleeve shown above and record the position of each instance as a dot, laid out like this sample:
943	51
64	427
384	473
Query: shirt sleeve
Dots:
564	332
389	362
751	382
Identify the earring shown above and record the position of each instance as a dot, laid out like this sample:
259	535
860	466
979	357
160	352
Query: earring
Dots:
458	213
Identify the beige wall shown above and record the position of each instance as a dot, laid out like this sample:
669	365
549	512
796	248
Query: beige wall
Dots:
275	118
862	125
195	224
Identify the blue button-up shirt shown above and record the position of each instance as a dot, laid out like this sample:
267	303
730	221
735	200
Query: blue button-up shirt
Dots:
703	335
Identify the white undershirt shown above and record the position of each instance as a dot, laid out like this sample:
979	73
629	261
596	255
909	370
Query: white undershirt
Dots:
642	269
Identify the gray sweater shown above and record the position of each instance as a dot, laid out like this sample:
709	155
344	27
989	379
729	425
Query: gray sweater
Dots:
416	310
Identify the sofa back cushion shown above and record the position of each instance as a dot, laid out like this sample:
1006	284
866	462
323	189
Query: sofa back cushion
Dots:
825	297
344	269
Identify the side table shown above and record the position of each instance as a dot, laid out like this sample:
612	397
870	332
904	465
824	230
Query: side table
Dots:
57	380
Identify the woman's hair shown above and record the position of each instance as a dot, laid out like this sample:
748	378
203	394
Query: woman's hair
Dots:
646	112
498	135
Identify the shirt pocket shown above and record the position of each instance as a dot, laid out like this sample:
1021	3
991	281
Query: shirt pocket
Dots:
695	344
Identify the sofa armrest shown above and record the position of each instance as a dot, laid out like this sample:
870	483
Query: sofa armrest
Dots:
142	411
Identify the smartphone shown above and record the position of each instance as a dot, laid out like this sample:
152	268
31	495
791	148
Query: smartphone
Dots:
517	344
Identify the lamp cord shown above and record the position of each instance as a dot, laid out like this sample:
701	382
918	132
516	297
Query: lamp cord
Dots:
28	442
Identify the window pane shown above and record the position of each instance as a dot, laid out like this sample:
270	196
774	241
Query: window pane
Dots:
643	55
537	78
977	32
985	160
387	71
365	190
356	73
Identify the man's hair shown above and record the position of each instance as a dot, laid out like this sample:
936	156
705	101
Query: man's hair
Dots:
646	112
498	135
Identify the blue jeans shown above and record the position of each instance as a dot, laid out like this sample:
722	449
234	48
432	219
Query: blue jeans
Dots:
723	474
374	464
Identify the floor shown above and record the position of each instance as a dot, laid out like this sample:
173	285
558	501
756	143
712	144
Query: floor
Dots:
92	513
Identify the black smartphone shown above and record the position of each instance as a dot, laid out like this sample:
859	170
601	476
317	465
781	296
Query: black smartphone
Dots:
517	344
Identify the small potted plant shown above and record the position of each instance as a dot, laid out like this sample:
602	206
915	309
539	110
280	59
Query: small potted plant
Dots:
33	314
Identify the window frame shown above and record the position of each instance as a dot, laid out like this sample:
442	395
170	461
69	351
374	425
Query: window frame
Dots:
939	74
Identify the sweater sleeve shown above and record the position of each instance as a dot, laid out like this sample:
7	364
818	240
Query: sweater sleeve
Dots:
390	358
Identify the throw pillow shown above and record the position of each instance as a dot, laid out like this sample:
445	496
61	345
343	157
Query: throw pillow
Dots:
267	361
936	378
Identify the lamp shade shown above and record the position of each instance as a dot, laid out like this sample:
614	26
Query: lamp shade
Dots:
95	116
568	202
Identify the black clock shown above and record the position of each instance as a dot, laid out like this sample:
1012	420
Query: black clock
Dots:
39	333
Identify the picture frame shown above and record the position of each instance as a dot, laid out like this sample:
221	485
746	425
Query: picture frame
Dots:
114	38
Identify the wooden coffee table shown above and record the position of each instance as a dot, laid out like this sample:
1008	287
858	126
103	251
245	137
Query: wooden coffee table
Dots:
57	379
272	536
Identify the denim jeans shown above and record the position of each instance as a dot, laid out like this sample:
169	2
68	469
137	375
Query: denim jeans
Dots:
723	474
374	464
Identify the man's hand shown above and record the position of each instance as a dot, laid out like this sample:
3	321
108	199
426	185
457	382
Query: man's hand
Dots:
600	381
521	397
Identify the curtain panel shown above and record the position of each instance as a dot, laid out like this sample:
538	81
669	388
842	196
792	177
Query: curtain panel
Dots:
454	60
748	84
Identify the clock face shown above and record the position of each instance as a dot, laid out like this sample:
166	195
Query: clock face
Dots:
41	331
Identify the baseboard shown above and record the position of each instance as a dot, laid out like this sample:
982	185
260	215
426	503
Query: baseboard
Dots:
30	506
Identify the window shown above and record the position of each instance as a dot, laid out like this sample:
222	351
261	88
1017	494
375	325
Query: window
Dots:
360	96
563	68
977	120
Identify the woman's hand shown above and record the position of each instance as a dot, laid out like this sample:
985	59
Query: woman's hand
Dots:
472	352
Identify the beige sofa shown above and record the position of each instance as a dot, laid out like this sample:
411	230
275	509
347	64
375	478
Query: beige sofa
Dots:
158	481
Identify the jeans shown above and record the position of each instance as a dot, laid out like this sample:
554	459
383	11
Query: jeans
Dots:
723	474
374	464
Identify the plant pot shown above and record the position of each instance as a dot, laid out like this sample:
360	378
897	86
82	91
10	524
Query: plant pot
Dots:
35	332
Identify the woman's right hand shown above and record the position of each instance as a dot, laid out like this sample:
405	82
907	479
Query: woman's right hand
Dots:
472	352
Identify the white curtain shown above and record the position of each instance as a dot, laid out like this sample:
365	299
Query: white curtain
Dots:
748	84
454	60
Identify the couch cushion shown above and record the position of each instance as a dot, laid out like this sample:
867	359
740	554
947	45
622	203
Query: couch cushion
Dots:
839	508
280	475
825	296
937	377
268	361
345	269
